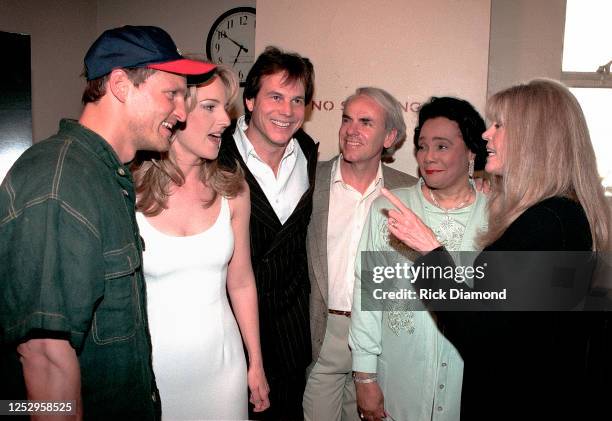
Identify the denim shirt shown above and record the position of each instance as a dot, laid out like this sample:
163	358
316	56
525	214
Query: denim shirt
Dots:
70	268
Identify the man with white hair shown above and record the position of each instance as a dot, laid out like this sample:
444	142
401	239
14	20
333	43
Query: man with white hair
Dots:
372	127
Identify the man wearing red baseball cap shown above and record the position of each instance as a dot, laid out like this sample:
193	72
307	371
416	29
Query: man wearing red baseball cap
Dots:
73	323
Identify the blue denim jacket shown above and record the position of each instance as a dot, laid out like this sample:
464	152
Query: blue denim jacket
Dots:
70	267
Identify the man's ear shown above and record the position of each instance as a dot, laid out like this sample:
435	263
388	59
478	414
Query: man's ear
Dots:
250	103
390	138
119	84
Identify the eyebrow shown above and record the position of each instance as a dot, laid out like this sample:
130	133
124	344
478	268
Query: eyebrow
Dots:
276	93
176	89
437	138
360	119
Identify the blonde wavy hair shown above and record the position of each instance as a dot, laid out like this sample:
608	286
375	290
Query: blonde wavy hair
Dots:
548	152
154	173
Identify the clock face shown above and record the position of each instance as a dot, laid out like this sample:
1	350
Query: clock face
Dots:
231	40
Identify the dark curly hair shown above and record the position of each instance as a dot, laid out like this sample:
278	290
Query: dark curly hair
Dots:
470	123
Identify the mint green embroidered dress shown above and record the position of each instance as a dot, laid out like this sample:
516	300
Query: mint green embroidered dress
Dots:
419	370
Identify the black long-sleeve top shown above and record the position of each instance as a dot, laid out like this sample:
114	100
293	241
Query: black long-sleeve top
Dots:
527	364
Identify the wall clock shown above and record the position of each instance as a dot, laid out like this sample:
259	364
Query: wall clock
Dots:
231	40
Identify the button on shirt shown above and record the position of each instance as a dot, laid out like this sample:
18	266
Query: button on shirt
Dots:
348	209
285	189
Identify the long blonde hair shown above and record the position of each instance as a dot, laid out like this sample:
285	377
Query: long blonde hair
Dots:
154	173
548	152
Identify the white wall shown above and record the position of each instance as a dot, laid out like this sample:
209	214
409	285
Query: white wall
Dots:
412	48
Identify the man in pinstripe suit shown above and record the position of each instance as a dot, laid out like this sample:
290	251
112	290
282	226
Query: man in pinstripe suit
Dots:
279	161
372	125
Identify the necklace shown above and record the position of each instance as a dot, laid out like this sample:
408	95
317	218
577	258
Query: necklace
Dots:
459	206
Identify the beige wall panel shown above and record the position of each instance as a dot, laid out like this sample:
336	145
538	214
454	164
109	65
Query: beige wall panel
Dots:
61	31
188	21
526	41
412	48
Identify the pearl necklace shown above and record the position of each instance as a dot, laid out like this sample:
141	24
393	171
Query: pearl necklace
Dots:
459	206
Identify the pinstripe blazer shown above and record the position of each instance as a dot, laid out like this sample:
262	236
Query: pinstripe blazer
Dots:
317	246
278	254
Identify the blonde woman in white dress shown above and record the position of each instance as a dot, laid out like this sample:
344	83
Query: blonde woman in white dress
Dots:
194	220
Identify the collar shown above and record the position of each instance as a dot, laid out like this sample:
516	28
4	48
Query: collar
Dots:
92	142
336	173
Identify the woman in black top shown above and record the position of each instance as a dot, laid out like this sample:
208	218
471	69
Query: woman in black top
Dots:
546	197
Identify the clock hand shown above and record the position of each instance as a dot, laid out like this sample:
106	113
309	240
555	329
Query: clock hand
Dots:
223	34
237	55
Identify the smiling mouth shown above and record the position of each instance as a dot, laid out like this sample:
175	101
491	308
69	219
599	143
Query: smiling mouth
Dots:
491	152
169	127
429	172
281	124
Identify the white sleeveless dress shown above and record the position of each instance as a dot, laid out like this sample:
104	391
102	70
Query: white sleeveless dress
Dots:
198	358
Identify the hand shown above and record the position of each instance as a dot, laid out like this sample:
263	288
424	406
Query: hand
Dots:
408	228
51	371
482	185
258	385
370	401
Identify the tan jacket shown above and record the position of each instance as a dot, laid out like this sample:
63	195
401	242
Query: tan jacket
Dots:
316	243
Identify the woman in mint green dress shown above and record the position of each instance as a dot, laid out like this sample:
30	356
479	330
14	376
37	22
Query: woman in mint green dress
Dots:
404	368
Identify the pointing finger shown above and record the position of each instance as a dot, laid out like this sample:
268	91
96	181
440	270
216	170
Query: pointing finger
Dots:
394	200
